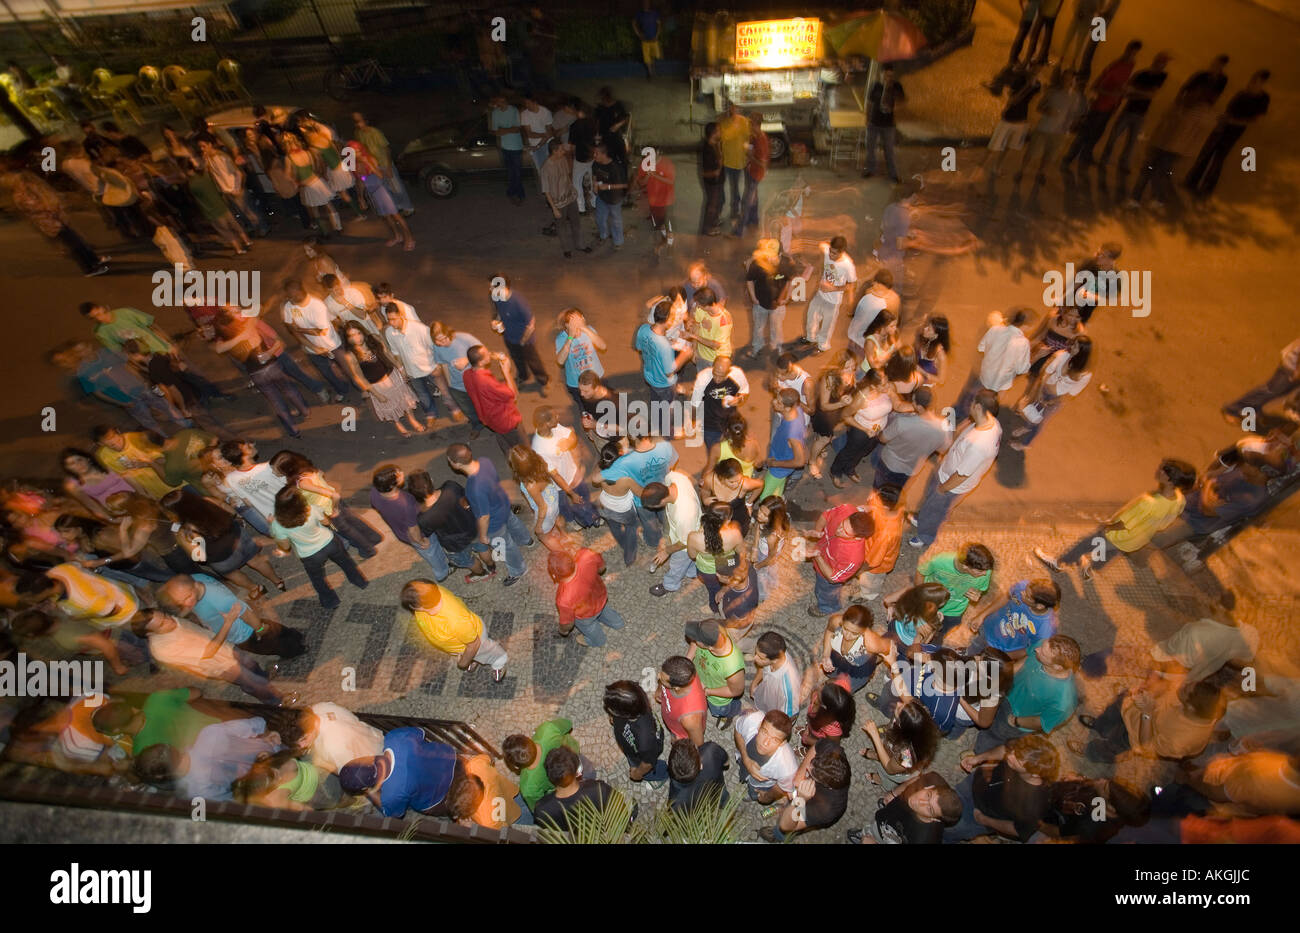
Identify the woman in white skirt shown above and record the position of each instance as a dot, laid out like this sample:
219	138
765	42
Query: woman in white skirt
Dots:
320	139
314	194
379	378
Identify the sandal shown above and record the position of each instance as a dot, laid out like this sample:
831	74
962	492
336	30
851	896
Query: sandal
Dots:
257	592
281	586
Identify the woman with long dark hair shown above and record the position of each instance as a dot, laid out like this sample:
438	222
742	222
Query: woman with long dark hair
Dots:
212	536
833	394
378	378
830	712
865	418
771	528
304	530
914	613
88	483
905	747
715	548
726	483
535	482
616	502
301	473
637	732
932	345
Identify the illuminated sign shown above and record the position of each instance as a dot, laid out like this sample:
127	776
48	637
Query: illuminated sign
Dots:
777	43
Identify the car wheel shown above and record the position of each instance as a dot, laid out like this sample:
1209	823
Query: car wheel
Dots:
439	183
777	148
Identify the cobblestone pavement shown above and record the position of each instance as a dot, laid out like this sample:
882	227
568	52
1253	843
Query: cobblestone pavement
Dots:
1124	608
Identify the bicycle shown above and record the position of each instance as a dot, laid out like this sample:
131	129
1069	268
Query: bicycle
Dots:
346	78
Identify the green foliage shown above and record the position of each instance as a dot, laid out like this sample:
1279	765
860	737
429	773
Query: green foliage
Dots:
707	823
940	20
586	39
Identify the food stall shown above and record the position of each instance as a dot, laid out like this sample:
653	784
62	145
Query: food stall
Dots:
774	65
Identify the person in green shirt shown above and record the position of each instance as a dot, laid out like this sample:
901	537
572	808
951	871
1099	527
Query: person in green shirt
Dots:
116	326
527	758
721	667
1042	697
966	573
167	717
182	452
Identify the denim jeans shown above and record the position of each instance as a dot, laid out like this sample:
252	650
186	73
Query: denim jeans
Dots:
829	595
513	536
295	372
253	680
622	525
591	628
466	406
882	475
935	506
315	567
652	528
885	136
609	220
435	557
680	569
770	323
733	177
256	520
584	513
1282	382
282	395
424	387
355	530
1129	124
332	371
513	160
748	206
144	409
581	176
656	774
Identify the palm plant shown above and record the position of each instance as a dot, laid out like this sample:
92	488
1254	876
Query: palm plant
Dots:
708	822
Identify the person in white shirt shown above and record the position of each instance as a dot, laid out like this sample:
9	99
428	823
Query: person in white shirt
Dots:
230	181
1006	356
308	320
536	122
680	502
878	296
961	469
185	646
384	295
253	484
1066	373
763	752
557	445
346	303
332	736
777	678
411	344
838	273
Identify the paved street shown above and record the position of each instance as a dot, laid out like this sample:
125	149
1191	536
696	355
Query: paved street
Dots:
1221	309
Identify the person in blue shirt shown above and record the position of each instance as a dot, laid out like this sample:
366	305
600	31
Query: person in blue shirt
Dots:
646	26
231	619
577	349
787	452
504	122
1027	618
647	462
1042	697
413	773
106	376
513	319
451	353
659	365
497	522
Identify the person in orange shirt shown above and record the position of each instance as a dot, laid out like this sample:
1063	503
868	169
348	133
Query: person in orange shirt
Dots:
481	794
889	518
659	178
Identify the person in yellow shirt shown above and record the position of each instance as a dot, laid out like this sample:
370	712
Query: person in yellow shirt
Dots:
1132	527
134	457
80	594
709	328
734	128
449	626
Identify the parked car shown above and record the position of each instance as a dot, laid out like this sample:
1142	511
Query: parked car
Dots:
440	158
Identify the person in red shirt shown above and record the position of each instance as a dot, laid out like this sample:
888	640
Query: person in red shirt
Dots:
682	702
658	176
888	518
841	548
580	596
495	397
758	153
1108	91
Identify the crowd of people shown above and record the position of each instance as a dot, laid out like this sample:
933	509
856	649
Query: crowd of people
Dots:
149	545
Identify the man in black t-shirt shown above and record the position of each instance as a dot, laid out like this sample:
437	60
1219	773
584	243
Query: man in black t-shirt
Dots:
637	732
612	119
1142	87
914	814
562	769
767	280
1008	790
609	182
882	100
582	136
1205	86
1244	109
695	773
445	513
821	796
